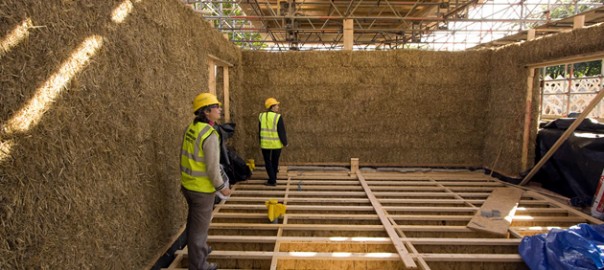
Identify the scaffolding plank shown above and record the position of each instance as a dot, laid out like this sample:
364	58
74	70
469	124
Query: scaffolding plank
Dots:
496	213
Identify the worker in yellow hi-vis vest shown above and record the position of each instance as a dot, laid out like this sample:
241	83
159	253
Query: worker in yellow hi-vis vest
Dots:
201	177
271	131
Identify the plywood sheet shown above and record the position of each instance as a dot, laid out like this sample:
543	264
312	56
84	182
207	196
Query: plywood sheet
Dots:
496	213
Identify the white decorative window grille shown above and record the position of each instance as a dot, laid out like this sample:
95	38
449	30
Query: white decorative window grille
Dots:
562	96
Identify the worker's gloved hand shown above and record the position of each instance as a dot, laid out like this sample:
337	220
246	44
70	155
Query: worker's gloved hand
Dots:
226	192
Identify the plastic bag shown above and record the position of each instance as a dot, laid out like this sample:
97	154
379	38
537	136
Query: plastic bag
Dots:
579	247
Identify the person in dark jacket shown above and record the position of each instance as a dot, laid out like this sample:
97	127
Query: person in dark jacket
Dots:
271	131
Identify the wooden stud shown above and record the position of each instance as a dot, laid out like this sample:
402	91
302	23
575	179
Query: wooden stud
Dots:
528	109
579	21
348	34
530	35
354	165
211	76
226	95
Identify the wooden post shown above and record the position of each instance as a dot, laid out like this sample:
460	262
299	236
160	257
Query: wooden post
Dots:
564	136
211	77
579	21
527	119
226	102
354	165
348	34
531	34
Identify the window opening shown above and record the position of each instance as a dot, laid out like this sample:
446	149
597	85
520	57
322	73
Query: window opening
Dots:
566	89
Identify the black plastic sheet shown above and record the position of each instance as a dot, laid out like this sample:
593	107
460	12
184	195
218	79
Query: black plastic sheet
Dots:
575	168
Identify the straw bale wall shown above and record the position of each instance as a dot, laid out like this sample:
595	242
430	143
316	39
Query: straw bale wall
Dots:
397	107
94	183
508	91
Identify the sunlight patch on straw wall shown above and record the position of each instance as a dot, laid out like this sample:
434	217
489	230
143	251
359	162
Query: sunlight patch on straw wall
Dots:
5	149
120	13
34	109
15	37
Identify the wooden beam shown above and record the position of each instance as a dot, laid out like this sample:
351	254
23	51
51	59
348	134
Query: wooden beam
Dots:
334	256
564	136
554	30
496	213
363	240
569	60
219	61
400	247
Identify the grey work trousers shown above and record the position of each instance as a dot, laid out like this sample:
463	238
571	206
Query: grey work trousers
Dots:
198	223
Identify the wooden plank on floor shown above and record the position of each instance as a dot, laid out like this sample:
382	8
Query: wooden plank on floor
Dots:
362	240
400	247
496	213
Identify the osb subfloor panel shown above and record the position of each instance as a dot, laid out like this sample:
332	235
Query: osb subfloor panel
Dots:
339	220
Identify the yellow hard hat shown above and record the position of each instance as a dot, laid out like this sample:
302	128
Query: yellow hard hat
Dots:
270	102
204	99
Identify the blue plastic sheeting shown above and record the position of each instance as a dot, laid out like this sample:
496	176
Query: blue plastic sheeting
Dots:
579	247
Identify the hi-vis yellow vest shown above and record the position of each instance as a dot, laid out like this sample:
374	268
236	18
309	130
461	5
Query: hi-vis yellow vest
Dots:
193	170
269	138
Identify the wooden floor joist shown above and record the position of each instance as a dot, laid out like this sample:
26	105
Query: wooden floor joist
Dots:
374	220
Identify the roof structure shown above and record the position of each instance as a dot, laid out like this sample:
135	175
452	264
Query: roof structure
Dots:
391	24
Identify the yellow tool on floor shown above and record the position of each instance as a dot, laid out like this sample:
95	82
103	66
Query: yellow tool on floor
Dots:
275	210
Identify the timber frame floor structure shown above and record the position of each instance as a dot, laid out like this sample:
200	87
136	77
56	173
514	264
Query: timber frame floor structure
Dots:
372	219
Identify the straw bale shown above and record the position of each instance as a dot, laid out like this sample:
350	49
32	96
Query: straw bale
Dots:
382	107
94	184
